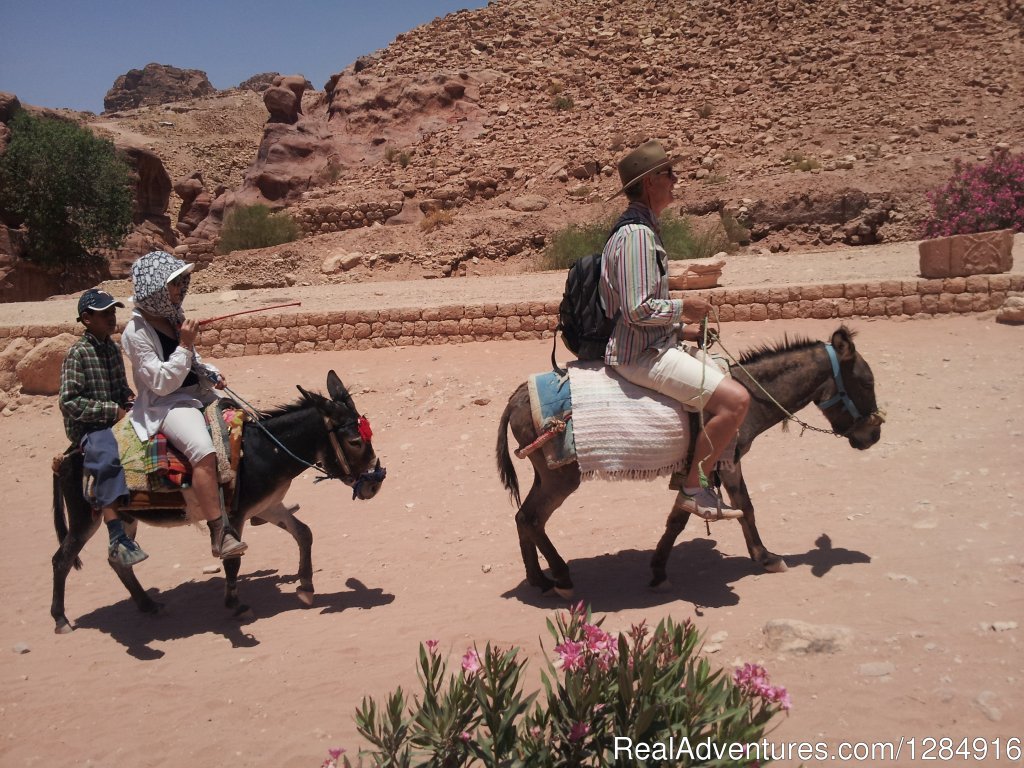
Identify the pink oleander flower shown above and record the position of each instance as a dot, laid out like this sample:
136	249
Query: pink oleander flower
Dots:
602	645
571	654
578	731
471	661
753	679
465	736
431	646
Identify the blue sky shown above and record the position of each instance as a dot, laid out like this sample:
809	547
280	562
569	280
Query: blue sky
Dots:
67	53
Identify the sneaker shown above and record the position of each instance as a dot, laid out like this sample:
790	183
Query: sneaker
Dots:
706	504
229	546
126	552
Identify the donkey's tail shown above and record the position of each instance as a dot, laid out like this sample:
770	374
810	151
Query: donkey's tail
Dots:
60	521
506	469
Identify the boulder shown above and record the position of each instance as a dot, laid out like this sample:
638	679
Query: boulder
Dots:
9	104
691	274
9	359
195	202
794	636
963	255
39	370
528	203
1012	311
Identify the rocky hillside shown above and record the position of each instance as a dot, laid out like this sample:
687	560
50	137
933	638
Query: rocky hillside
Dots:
816	124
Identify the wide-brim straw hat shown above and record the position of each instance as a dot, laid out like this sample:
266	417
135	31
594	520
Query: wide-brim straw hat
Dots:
650	157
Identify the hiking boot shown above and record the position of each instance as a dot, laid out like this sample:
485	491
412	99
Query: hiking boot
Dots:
706	504
125	551
228	546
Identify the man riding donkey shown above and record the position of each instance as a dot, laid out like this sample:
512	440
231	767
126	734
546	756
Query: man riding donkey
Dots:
94	396
644	347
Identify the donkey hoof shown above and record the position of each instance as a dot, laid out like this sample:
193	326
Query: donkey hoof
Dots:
305	596
775	565
566	593
64	628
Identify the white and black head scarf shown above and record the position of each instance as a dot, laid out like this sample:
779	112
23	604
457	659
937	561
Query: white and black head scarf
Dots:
150	275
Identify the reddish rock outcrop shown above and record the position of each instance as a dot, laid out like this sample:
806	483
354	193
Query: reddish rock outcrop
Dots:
156	84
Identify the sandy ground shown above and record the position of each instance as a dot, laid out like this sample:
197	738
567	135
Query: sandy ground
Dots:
913	546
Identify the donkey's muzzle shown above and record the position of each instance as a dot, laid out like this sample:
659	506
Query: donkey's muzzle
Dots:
369	482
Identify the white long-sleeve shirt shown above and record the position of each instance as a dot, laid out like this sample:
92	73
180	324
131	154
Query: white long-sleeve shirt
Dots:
158	381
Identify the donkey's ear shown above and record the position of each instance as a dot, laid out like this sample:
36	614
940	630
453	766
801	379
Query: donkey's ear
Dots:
304	393
842	341
335	388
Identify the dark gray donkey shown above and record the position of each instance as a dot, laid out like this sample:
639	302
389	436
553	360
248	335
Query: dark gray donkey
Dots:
327	433
795	373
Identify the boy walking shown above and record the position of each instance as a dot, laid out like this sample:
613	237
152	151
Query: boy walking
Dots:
94	395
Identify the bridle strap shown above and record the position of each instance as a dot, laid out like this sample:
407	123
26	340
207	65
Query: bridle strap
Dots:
346	469
840	396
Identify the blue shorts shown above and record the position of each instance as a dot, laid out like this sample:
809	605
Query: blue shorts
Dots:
103	462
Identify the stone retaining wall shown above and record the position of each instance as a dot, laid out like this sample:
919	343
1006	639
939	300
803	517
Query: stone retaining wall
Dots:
337	217
365	329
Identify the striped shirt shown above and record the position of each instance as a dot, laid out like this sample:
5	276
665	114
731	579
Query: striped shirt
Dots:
634	289
93	384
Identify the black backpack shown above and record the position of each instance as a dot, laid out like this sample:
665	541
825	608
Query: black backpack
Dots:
582	320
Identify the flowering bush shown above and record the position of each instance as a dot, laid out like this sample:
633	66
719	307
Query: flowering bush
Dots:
979	198
639	698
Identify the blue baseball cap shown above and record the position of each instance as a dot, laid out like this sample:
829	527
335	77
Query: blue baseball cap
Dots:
95	300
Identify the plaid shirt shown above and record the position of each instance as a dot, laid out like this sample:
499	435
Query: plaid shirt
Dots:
634	287
93	384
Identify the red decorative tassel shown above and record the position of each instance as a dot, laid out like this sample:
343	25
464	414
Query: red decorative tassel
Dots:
364	429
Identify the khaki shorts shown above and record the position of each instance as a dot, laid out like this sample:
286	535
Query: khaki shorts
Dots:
675	372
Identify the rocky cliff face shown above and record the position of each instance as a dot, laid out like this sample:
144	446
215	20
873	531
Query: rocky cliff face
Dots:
544	95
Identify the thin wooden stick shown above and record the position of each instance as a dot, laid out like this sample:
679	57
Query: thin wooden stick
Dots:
247	312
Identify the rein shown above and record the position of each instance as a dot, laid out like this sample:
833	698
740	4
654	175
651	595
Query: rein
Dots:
375	475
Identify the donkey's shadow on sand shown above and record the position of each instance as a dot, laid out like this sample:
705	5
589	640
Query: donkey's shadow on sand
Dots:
700	575
187	612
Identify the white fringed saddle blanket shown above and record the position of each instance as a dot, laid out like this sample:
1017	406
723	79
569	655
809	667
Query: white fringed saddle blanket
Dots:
623	431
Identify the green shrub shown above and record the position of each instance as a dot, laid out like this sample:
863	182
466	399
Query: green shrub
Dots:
393	155
71	189
563	103
677	235
798	161
436	219
979	198
254	226
603	698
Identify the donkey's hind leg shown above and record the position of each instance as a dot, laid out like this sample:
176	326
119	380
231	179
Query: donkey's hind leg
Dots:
82	524
550	489
126	574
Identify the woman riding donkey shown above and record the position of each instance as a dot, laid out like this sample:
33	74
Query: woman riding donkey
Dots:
174	384
644	345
